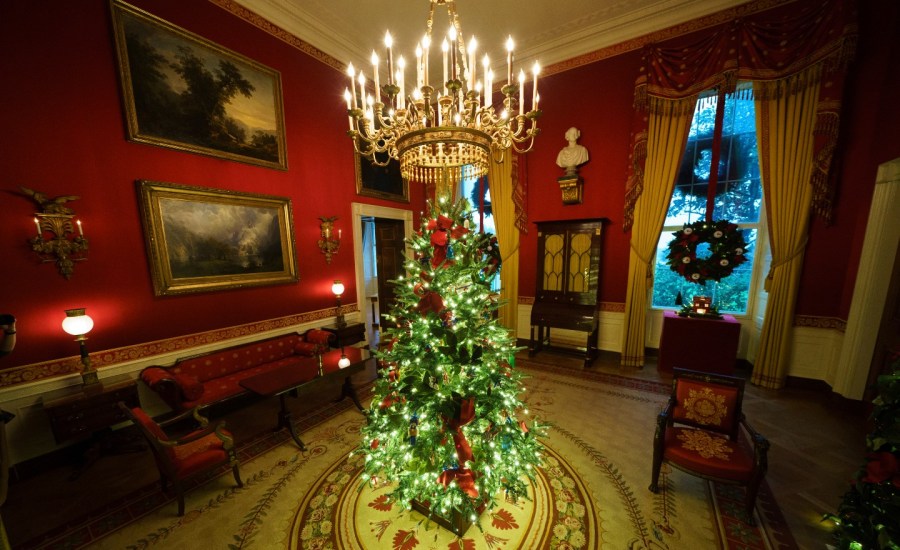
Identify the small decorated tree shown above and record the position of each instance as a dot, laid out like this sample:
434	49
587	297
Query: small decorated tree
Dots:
868	517
446	426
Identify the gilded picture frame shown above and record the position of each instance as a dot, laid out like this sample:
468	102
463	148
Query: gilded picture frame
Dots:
201	239
183	92
383	182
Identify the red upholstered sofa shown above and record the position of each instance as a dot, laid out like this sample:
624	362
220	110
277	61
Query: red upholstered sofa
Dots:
203	380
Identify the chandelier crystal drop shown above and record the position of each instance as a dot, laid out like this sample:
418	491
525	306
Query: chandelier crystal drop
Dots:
447	132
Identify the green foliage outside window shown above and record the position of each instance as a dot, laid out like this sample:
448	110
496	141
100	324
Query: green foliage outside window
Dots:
738	199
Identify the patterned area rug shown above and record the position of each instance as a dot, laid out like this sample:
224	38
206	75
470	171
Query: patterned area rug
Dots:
591	492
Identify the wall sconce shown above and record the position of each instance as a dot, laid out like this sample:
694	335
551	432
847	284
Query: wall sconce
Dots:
328	244
78	324
63	247
338	288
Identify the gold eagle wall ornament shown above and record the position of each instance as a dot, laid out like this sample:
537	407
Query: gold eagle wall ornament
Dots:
50	206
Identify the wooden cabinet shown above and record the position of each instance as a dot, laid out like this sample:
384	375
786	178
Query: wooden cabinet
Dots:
83	414
568	279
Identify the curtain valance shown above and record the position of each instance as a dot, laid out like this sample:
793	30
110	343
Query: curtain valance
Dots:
765	46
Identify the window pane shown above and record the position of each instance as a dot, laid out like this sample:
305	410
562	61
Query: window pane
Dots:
738	199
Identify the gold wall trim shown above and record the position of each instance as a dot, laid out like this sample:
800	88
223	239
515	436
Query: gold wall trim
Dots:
279	33
687	27
812	321
26	374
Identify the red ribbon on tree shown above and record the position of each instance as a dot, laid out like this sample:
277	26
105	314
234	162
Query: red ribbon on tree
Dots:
464	477
440	237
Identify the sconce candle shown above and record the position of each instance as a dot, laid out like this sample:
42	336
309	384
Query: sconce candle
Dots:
37	224
328	244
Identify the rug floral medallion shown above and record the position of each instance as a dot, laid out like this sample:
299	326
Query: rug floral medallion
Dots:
590	492
336	514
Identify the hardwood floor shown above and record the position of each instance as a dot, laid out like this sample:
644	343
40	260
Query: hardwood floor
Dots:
817	443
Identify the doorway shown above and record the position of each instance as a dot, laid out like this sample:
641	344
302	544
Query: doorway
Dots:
379	235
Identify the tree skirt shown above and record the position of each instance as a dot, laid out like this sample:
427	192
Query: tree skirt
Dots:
590	492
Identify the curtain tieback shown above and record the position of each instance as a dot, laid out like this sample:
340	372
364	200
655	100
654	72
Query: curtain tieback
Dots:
508	256
643	259
780	262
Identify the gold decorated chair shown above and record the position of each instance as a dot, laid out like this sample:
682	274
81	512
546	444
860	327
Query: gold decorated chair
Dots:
179	459
703	432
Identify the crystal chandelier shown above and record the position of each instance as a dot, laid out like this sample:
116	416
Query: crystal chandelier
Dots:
442	133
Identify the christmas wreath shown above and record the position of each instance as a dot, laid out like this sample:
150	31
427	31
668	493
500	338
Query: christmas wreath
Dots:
727	250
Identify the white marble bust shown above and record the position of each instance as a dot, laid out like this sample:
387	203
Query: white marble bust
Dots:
572	155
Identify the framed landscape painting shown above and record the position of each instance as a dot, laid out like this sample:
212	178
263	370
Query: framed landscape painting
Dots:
201	239
184	92
384	182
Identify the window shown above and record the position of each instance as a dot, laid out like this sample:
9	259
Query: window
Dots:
733	193
476	191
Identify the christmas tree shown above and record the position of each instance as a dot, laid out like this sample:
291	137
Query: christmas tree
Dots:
447	427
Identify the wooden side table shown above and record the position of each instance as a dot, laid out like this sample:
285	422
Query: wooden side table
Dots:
89	416
696	343
348	334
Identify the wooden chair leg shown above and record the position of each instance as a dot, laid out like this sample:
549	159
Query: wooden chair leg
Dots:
179	493
237	475
654	476
752	492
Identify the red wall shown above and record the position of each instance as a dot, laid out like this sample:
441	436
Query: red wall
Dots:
597	99
64	134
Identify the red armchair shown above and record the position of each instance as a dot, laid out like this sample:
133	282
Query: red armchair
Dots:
703	432
179	459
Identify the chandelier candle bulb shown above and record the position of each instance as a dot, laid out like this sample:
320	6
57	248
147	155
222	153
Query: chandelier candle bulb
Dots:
361	78
352	73
401	77
509	59
473	45
349	107
453	47
521	92
375	75
444	49
426	45
388	43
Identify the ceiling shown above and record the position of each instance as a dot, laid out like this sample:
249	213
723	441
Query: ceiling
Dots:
546	30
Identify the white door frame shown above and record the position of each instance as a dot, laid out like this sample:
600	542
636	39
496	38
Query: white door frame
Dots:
359	211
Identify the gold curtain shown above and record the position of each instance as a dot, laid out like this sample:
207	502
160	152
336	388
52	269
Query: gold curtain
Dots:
501	184
785	123
669	122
